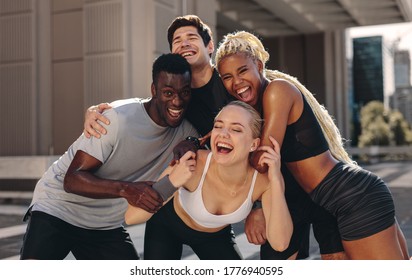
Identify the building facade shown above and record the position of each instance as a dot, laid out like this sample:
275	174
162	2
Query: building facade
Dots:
58	57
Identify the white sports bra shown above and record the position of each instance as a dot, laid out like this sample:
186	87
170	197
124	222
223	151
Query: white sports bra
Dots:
192	203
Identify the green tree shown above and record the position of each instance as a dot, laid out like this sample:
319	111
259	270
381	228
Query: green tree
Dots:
400	128
383	127
374	124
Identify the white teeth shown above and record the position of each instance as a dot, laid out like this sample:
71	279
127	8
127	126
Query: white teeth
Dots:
186	54
175	113
224	145
242	90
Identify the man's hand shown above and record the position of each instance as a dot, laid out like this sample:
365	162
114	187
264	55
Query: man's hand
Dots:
92	117
182	148
255	227
141	194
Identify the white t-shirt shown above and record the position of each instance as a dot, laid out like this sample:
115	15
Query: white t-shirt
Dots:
135	148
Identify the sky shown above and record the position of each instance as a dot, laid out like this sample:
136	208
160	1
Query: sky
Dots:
390	33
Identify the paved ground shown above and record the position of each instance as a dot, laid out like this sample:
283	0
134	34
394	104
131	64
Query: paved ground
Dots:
398	175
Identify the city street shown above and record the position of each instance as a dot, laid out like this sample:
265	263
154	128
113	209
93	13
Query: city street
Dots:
398	175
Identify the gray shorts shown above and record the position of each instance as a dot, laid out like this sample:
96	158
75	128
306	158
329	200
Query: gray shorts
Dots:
360	201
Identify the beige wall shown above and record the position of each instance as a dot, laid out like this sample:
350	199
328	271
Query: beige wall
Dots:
58	57
67	72
17	77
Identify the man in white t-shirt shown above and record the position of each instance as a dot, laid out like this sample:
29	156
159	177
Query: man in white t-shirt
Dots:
78	205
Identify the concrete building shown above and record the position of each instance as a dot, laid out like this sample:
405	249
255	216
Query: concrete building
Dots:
58	57
402	68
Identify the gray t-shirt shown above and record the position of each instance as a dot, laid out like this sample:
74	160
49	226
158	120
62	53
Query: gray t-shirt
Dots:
135	148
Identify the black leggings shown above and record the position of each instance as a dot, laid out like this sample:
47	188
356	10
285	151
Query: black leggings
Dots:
166	233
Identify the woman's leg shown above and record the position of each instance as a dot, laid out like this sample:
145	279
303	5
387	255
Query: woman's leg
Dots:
161	241
402	242
384	245
220	245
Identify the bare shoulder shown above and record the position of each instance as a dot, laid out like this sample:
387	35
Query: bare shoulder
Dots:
281	88
201	156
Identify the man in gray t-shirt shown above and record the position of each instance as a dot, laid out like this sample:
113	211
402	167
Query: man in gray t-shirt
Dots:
78	205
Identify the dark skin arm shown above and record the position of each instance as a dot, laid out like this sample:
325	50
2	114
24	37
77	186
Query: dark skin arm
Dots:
80	179
279	99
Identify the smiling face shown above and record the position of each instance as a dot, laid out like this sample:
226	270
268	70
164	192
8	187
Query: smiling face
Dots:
241	76
188	43
171	95
232	139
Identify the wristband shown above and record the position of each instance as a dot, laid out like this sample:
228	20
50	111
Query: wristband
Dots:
164	187
194	140
257	204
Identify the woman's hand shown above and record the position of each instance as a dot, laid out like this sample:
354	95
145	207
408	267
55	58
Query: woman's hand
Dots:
92	118
183	169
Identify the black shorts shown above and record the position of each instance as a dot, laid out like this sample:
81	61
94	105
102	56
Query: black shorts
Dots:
305	212
166	233
50	238
360	201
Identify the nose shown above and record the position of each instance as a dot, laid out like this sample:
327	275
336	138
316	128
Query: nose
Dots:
177	100
224	132
185	42
237	79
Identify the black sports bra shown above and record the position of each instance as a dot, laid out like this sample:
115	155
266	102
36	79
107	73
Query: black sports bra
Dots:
304	138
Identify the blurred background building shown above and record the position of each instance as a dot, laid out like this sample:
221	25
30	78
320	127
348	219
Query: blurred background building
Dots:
402	99
58	57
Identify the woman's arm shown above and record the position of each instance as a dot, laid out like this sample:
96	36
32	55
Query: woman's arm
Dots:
178	174
279	226
279	109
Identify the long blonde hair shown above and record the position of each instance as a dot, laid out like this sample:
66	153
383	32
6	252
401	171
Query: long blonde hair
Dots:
248	44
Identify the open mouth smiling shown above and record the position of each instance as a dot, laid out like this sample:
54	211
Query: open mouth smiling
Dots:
224	148
187	54
175	113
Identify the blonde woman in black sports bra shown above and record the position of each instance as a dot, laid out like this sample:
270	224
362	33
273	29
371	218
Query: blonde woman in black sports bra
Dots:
312	148
215	189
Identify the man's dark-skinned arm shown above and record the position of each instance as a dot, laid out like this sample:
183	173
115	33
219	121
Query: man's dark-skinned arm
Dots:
80	179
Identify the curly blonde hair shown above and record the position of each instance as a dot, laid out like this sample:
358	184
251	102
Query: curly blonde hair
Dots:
248	44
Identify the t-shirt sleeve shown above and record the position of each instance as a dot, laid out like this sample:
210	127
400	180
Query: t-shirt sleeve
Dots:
101	148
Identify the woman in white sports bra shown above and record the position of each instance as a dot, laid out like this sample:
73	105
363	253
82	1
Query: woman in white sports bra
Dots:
216	189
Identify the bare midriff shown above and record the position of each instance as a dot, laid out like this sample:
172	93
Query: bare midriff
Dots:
310	172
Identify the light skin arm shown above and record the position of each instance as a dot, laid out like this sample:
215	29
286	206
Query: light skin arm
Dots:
92	117
179	175
279	226
80	179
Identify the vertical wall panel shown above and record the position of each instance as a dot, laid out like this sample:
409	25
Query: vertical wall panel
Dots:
67	74
16	78
16	38
103	78
104	51
15	115
14	6
103	28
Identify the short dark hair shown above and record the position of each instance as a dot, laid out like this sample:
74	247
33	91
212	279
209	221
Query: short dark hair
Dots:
189	20
170	63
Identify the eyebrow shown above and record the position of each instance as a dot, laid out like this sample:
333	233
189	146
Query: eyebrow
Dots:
233	123
191	34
